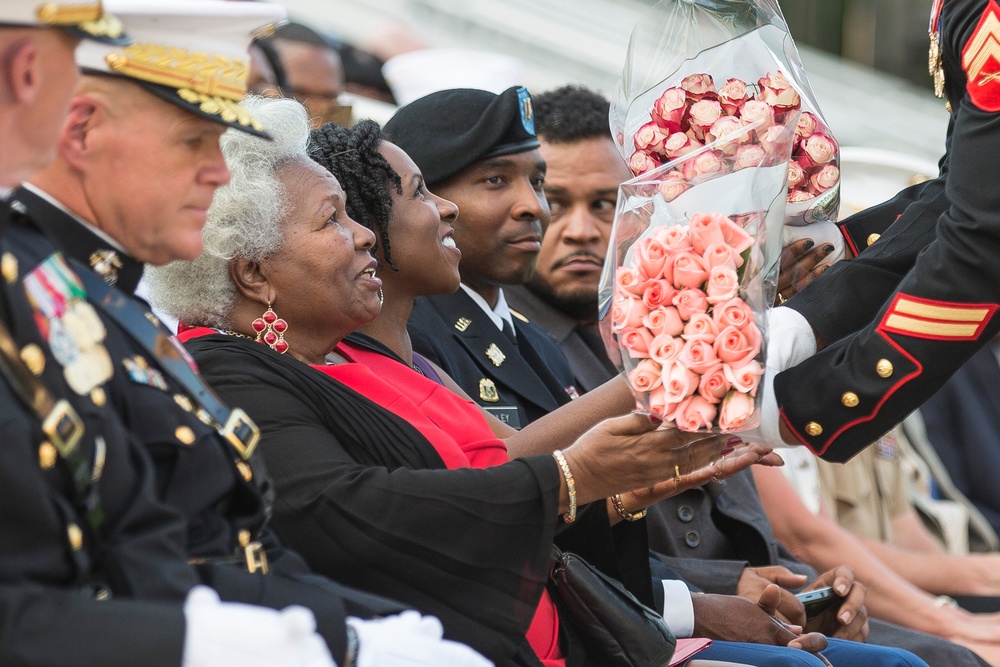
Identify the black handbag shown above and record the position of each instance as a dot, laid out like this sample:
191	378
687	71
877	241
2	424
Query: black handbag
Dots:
610	621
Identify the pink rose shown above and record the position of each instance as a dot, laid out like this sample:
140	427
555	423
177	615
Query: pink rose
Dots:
679	383
650	256
698	85
669	108
777	91
706	230
666	350
820	149
736	347
773	138
628	281
749	156
732	313
735	235
679	144
689	269
627	313
796	175
658	293
698	356
723	284
735	411
807	125
694	413
701	327
824	179
755	110
727	127
703	164
658	404
672	188
720	254
797	196
690	301
713	385
674	237
636	341
732	95
640	163
744	378
665	320
645	376
703	115
650	138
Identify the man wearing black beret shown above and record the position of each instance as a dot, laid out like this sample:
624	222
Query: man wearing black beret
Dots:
479	150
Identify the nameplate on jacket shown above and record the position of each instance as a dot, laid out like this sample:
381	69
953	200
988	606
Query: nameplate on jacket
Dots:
505	413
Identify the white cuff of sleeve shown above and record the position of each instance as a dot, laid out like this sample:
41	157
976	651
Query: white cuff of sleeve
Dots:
678	610
790	341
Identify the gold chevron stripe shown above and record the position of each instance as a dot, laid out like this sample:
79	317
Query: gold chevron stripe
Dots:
985	44
905	324
951	313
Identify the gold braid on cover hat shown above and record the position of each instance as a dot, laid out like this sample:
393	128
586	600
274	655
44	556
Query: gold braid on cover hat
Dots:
88	17
214	82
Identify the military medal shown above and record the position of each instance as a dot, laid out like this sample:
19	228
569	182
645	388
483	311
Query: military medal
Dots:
495	354
106	264
935	62
69	324
488	391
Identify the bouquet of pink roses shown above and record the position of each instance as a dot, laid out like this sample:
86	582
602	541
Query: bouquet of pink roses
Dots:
679	317
700	69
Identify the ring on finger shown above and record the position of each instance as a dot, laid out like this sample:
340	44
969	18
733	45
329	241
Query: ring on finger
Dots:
677	474
781	299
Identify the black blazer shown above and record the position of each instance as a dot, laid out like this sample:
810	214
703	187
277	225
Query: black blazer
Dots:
531	379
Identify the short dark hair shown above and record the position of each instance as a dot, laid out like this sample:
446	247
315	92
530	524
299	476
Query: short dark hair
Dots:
571	113
351	155
301	33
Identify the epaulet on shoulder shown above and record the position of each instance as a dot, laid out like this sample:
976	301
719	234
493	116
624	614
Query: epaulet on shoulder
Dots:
518	315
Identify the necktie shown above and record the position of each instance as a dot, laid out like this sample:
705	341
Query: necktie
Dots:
508	331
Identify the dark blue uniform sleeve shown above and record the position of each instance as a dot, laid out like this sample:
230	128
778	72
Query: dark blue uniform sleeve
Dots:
944	308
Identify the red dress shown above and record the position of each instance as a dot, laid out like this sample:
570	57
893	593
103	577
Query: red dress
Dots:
457	430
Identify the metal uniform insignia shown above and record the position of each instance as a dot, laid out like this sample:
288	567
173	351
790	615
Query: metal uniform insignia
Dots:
106	264
495	354
8	267
463	323
140	372
488	391
70	325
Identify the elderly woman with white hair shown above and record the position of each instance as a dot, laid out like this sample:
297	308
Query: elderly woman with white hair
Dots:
372	494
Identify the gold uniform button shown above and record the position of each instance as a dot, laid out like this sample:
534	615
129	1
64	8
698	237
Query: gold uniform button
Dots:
883	368
184	434
872	238
184	402
98	397
8	267
244	538
33	358
814	429
47	455
75	536
244	470
849	399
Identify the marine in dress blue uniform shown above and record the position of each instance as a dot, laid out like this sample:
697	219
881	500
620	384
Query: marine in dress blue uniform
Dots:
929	288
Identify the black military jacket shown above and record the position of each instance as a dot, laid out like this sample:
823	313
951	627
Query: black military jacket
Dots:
224	498
934	274
516	383
78	588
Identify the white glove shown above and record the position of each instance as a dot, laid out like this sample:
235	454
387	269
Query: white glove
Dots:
790	340
229	633
821	232
410	640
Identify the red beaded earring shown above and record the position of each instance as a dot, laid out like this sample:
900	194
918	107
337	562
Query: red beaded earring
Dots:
271	330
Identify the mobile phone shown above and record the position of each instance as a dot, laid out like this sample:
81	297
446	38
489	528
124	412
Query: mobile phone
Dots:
816	601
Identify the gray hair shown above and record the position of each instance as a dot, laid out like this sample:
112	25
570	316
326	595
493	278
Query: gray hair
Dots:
243	220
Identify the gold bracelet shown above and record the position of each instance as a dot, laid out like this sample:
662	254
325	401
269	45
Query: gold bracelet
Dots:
570	516
619	506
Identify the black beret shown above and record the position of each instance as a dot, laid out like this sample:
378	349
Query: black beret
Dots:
447	131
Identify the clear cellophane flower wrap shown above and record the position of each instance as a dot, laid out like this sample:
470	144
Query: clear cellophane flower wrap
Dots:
690	273
695	69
